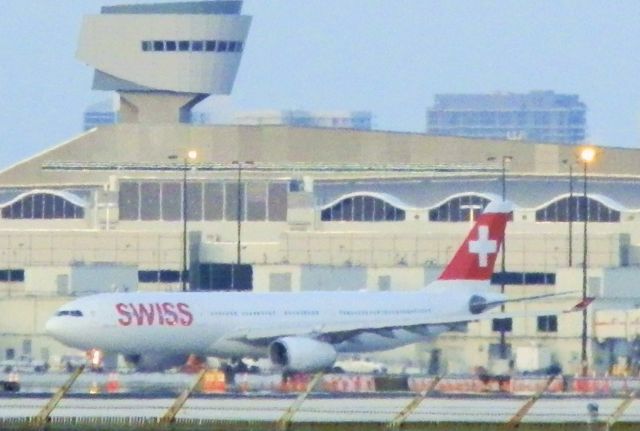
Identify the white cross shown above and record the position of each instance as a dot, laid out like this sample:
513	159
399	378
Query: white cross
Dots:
483	246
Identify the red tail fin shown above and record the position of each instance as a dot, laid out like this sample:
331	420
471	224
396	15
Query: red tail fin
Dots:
476	257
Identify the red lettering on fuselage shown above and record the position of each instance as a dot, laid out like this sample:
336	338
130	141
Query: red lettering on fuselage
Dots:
170	315
123	311
143	315
154	314
160	314
186	318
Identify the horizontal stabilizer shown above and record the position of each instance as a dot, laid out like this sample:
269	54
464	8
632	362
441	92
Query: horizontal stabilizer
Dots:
582	305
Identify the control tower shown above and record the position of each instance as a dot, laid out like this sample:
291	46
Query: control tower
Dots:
164	58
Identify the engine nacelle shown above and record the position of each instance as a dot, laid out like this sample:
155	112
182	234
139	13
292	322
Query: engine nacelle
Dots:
302	354
478	304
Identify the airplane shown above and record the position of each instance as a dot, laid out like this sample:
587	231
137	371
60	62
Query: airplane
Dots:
299	332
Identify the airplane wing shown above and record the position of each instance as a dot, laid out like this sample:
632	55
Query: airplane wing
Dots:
339	331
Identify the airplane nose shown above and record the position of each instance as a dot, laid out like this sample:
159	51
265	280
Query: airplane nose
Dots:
52	327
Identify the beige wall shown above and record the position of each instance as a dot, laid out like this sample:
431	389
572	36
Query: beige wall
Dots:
282	145
24	319
20	249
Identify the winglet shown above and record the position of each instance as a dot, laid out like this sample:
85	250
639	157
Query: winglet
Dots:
582	305
476	257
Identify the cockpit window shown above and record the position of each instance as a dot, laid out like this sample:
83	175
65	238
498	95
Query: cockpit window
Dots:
74	313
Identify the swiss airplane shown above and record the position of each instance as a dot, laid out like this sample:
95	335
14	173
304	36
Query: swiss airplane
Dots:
297	331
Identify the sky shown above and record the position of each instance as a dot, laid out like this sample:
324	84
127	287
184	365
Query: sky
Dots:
389	57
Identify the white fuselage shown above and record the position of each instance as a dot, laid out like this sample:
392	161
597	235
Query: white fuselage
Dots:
213	324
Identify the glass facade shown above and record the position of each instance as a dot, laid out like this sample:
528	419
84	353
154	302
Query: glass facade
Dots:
210	201
172	201
462	208
223	276
42	206
523	278
213	201
363	208
577	208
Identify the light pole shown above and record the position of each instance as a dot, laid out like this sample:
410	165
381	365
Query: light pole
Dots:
503	181
586	156
571	210
472	209
240	211
191	155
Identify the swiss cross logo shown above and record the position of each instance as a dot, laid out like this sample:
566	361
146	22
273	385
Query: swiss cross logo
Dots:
483	246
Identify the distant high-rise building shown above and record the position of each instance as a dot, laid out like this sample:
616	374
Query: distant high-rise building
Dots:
100	114
359	120
106	112
199	118
538	116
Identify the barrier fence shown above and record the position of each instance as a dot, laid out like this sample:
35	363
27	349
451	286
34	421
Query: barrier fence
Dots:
363	383
215	381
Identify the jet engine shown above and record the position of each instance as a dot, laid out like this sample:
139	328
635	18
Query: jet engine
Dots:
477	304
151	362
302	354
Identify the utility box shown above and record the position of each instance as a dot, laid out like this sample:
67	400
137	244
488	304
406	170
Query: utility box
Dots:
99	278
532	358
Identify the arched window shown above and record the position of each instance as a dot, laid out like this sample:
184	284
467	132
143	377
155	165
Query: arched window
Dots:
577	208
43	205
462	208
363	208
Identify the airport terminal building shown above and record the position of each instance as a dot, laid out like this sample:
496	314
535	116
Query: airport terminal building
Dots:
261	208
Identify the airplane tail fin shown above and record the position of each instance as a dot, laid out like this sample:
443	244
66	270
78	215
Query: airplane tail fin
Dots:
476	257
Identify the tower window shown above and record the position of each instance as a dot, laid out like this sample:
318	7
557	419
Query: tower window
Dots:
210	45
192	45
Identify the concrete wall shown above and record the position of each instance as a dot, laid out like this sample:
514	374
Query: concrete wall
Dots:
61	248
112	44
286	145
23	323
